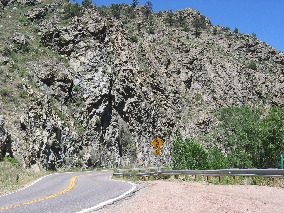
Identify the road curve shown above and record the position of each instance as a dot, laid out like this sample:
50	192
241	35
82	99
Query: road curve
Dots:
66	192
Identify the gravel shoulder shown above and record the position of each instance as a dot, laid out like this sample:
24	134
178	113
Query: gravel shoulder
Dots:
174	196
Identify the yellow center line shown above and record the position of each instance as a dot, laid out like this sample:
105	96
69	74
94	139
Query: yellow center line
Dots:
70	187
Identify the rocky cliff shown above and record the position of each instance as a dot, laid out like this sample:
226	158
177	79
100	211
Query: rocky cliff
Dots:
96	86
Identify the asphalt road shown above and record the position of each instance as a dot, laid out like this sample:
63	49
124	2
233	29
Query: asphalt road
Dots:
66	192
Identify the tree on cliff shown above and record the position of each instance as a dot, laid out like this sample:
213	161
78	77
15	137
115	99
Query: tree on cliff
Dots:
148	9
116	10
135	3
170	18
198	24
87	3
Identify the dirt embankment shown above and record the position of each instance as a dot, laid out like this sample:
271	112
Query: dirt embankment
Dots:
164	196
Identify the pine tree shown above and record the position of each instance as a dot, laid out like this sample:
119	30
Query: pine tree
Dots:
135	3
148	9
198	23
236	30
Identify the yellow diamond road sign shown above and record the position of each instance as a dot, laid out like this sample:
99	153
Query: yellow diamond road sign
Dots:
157	143
157	152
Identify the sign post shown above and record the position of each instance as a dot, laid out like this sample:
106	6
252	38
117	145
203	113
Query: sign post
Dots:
157	143
281	161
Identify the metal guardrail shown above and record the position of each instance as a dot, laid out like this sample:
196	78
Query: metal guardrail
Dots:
140	169
222	172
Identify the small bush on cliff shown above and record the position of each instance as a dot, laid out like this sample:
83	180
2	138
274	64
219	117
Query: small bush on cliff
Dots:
87	3
7	51
252	65
72	10
22	47
5	92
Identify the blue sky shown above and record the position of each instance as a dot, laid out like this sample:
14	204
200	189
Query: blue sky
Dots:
265	18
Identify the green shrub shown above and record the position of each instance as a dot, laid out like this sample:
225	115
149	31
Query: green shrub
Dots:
80	102
226	29
10	160
24	20
22	47
5	92
151	30
23	95
134	38
217	159
240	159
188	154
22	72
76	88
7	51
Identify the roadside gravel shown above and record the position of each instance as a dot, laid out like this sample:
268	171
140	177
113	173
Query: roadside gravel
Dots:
170	196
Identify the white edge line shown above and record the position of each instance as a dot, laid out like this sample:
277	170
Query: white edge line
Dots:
111	200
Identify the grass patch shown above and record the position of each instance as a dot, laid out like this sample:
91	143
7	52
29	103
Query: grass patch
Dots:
13	177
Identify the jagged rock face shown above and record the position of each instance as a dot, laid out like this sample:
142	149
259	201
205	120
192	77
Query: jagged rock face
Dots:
4	3
129	82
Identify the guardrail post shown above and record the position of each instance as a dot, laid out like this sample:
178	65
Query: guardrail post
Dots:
221	178
209	178
276	181
236	179
197	177
253	180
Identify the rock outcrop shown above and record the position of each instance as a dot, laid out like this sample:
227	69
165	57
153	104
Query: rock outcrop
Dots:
113	84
